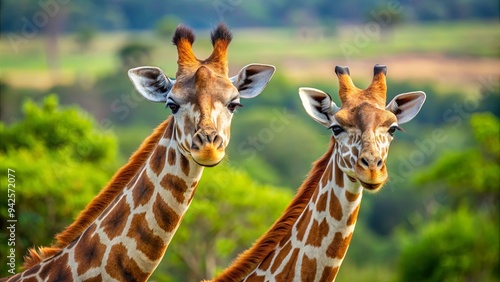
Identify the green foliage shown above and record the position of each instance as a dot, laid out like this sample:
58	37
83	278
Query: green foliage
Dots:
229	211
61	160
472	175
461	241
459	246
67	131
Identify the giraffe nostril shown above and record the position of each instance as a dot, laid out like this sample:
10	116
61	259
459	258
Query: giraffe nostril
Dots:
197	141
365	162
218	142
379	164
200	139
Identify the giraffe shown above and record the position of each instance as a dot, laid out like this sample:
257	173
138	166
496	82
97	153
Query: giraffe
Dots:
124	232
310	239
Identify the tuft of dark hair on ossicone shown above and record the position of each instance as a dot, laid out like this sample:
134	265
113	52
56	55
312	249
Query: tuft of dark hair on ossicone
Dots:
183	32
221	32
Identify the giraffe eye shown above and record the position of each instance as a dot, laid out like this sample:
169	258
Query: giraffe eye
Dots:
174	107
337	129
233	105
393	129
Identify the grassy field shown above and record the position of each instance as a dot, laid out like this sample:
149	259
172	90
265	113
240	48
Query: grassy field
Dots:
299	53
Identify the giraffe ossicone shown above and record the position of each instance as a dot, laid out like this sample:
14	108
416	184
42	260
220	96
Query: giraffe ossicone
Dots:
310	239
124	232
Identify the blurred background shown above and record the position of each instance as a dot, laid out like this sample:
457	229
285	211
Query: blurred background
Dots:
70	118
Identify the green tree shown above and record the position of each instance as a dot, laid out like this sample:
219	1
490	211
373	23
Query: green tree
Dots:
458	246
60	161
229	212
470	176
461	242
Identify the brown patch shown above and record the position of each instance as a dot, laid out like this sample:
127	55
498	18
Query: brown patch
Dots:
32	270
289	269
98	278
157	161
350	196
166	217
108	209
105	198
308	269
266	263
169	129
89	251
148	243
341	162
344	149
172	157
317	233
329	273
351	162
286	239
355	151
143	190
353	216
327	175
338	247
114	223
57	270
303	224
184	165
321	203
132	181
280	257
176	185
122	267
339	177
335	207
30	279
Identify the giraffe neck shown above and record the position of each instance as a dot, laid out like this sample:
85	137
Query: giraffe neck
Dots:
128	239
316	243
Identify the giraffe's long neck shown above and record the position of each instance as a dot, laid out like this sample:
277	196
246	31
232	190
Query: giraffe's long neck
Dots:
127	241
316	244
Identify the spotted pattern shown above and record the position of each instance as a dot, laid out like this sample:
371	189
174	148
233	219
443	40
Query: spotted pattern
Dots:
326	224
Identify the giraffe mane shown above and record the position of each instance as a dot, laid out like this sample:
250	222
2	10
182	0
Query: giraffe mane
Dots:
249	259
101	201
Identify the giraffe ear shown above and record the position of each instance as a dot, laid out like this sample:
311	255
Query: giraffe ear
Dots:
252	79
406	106
151	83
318	105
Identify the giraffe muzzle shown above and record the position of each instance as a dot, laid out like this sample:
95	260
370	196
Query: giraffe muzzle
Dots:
207	148
371	172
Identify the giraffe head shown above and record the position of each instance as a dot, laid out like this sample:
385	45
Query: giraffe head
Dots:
363	126
202	97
